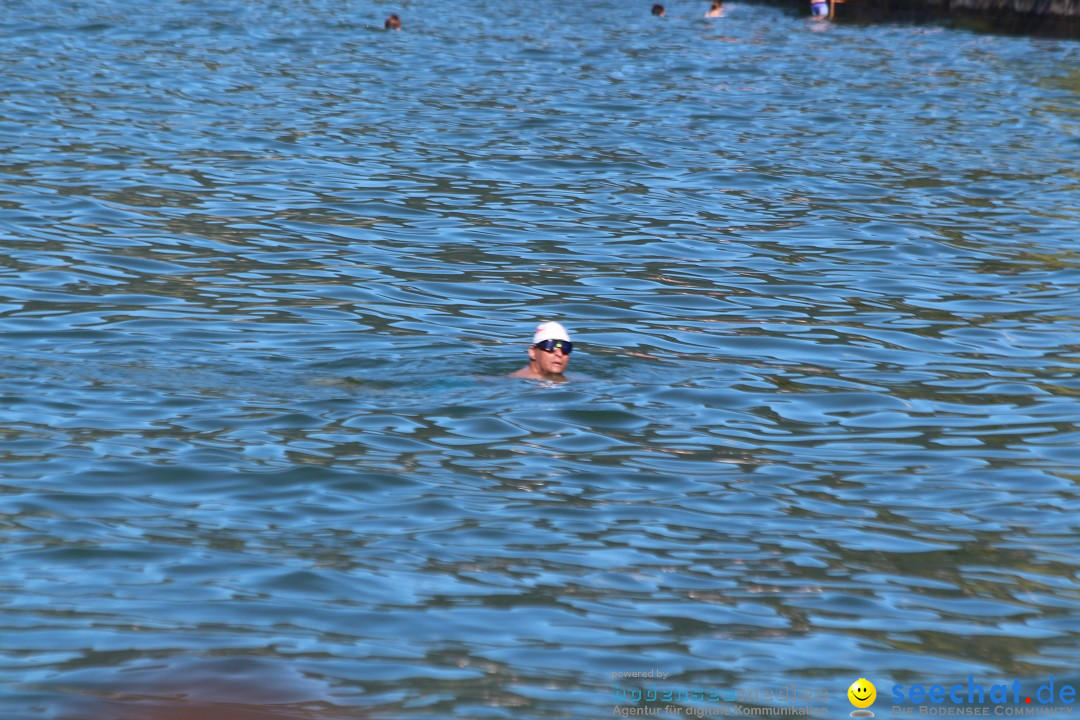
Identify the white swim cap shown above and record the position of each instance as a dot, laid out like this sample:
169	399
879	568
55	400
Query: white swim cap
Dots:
550	331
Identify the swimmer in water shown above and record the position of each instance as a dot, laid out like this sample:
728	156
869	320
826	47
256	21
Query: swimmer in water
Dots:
658	10
549	353
820	9
716	9
392	23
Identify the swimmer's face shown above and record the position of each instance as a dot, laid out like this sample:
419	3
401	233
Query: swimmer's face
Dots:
549	363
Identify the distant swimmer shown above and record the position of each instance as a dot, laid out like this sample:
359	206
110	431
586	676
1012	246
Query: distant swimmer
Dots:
821	9
658	10
716	9
392	23
549	353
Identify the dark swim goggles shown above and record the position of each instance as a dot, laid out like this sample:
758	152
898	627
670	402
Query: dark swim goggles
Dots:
550	345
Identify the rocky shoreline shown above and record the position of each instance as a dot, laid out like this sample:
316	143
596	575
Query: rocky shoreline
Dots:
1056	18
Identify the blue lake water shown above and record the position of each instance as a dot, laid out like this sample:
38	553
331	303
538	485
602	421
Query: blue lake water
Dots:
265	266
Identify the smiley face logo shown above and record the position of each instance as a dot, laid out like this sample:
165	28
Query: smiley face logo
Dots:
862	694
